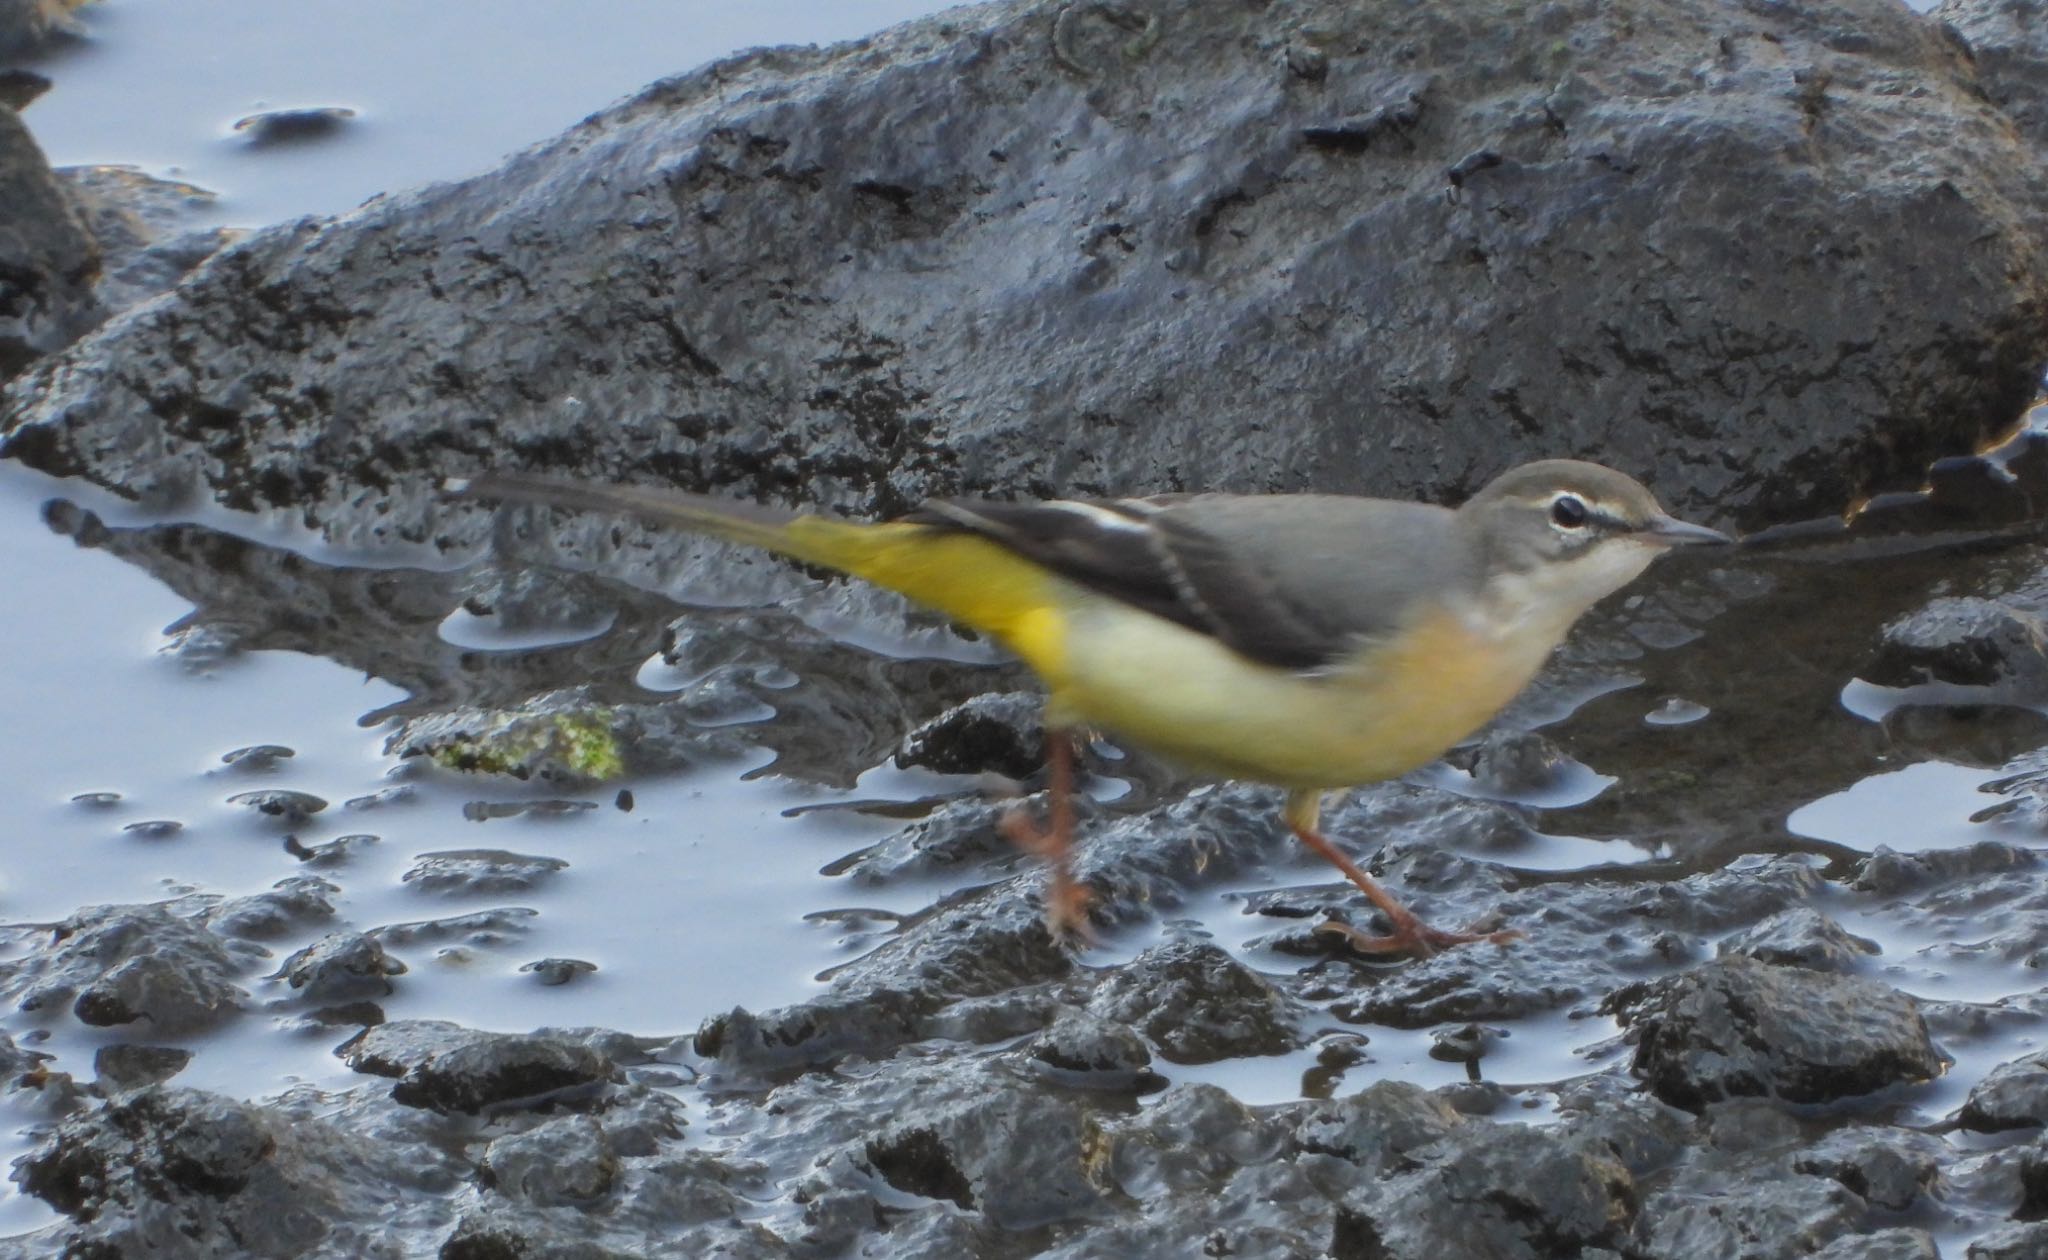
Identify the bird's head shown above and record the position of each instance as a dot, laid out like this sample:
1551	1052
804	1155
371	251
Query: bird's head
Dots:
1563	533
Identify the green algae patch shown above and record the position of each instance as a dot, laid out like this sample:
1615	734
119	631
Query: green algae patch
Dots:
576	746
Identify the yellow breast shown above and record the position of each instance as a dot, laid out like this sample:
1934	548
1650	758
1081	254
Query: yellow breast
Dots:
1186	697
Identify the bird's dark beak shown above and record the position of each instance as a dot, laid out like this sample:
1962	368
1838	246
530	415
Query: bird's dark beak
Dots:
1673	532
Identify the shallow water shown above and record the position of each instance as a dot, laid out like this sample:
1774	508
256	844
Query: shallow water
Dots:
706	894
439	91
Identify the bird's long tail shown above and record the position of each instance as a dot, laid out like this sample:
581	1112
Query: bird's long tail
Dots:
963	575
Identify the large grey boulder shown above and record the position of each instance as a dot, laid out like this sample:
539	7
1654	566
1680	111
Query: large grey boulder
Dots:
48	257
1767	255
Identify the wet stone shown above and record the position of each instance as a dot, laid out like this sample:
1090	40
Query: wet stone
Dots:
1197	1004
2011	1096
1498	1191
329	853
1089	1052
123	1067
484	928
461	872
287	806
292	126
1721	1215
558	971
162	1171
120	964
567	1160
257	758
154	828
444	1067
1740	1028
1801	937
485	811
2028	1241
1511	763
1007	1148
291	905
1887	1167
341	967
97	800
401	794
1888	873
1964	641
1001	733
1885	1244
1376	1127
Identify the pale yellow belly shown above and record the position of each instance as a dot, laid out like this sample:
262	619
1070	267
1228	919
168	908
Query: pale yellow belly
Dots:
1186	697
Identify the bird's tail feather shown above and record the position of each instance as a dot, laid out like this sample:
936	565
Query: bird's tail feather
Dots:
964	575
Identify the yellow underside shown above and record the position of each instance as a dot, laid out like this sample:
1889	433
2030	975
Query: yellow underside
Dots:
1180	694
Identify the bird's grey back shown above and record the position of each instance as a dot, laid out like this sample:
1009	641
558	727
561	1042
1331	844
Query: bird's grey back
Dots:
1347	568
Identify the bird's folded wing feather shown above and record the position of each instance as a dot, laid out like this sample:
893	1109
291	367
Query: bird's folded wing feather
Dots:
1286	580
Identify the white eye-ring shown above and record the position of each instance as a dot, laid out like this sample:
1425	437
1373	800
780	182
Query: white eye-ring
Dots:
1568	511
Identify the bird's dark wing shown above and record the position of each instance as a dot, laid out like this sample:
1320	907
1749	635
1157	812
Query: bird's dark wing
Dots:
1156	555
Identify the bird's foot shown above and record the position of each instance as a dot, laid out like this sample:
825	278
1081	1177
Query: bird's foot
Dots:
1414	937
1066	899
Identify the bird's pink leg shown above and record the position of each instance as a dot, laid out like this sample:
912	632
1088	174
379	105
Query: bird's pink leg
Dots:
1410	935
1066	898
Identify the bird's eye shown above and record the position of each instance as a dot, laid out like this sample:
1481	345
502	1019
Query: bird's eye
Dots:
1568	512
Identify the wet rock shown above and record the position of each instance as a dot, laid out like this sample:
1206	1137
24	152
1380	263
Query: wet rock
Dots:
909	154
1800	937
19	87
1965	641
1511	763
278	127
557	971
1001	733
566	1160
1198	1004
561	738
485	929
28	26
1089	1052
1376	1127
1885	1244
957	834
164	1171
257	758
120	964
291	905
341	967
126	1066
1015	1153
288	807
329	853
461	872
1740	1028
1493	1191
2013	1242
152	232
2011	1096
1715	1217
17	1062
2008	52
1888	1168
1888	873
447	1068
48	258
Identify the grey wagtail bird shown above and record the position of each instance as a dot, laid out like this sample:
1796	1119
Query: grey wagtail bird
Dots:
1306	641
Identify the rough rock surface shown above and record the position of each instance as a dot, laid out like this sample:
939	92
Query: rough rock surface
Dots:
48	257
1740	1028
923	262
119	964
